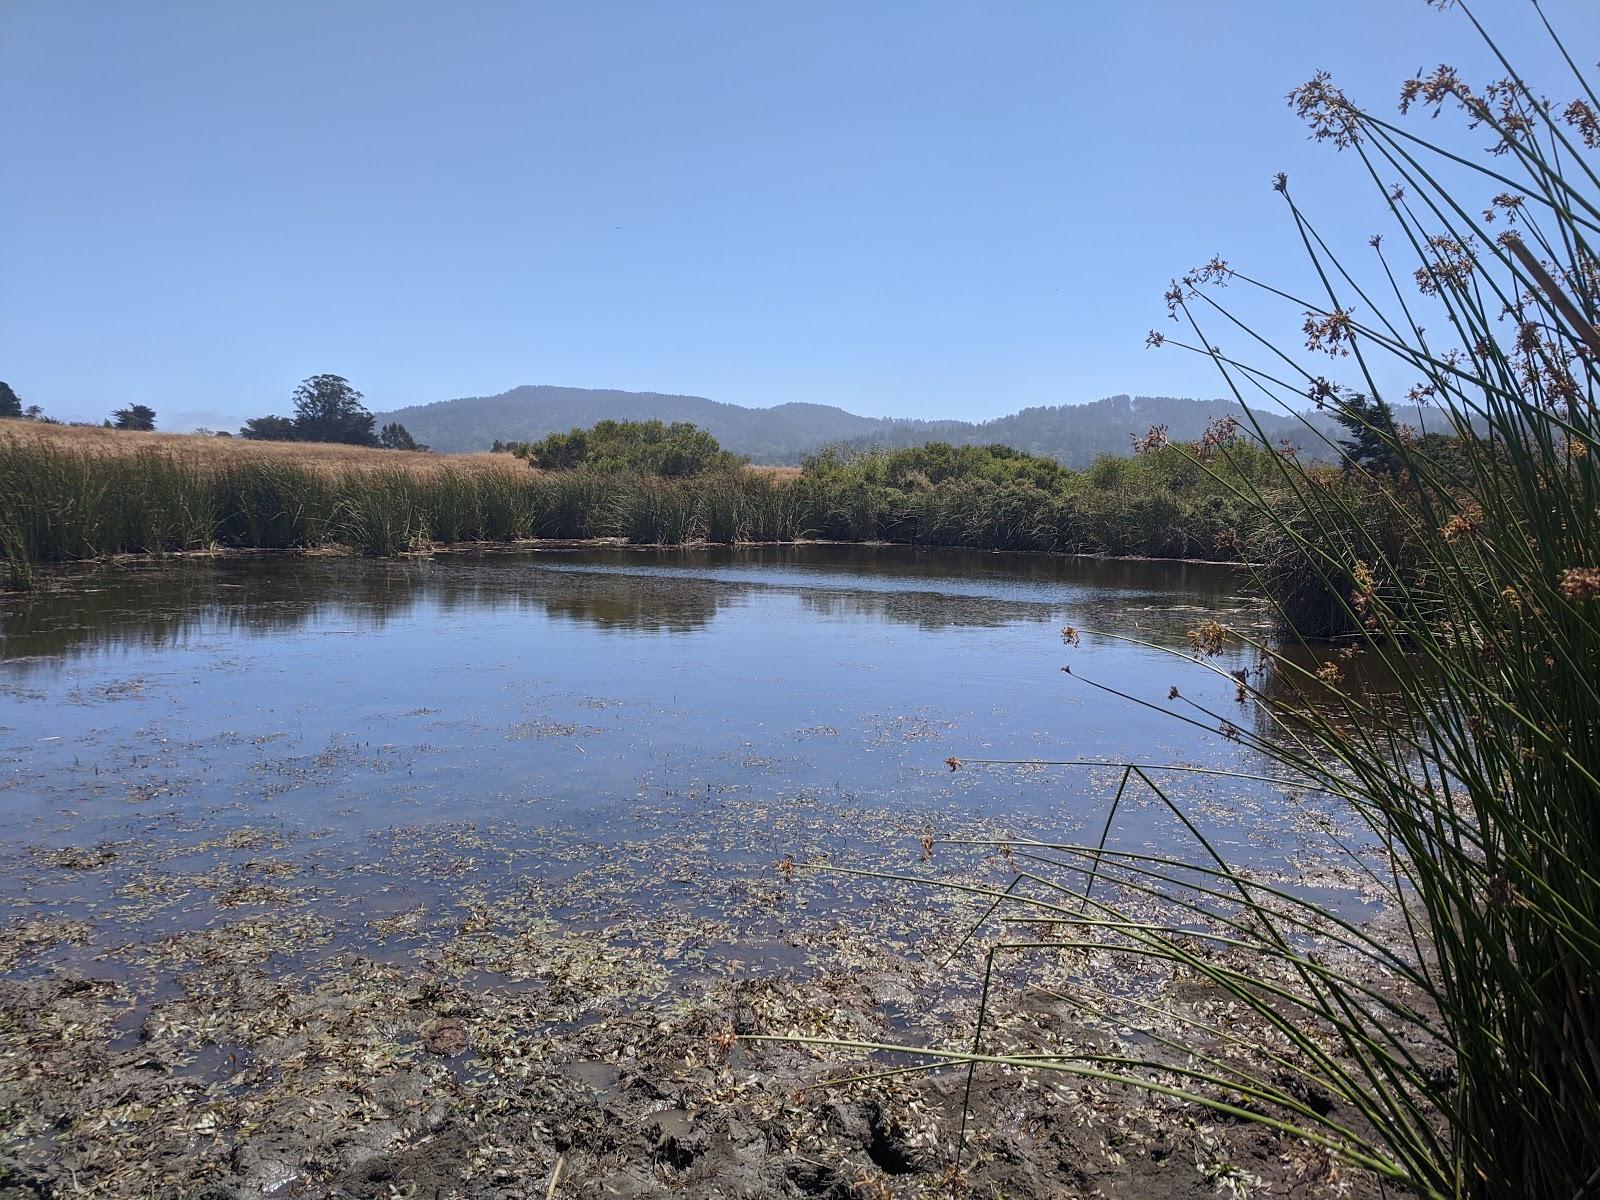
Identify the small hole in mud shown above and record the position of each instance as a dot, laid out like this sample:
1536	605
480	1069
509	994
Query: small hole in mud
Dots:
885	1152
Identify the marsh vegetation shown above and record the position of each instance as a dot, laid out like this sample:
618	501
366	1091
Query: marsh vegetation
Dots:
1451	1052
69	494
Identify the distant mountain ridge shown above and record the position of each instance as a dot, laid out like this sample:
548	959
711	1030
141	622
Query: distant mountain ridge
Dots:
1075	434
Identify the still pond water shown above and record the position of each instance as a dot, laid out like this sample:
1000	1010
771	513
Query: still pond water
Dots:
398	731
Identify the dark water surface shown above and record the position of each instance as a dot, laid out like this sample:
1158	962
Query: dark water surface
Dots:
550	709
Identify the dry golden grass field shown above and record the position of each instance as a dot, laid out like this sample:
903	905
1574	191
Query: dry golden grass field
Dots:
201	450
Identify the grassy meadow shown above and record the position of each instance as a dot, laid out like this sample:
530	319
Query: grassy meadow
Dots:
202	452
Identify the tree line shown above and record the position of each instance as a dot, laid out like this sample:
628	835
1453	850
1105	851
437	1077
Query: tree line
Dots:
326	409
135	416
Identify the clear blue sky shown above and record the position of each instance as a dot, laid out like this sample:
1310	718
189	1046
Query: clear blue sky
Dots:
916	209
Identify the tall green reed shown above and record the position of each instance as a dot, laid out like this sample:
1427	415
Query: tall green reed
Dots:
60	504
267	505
1453	1049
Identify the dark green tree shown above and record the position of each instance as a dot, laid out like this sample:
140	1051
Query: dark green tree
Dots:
135	416
10	402
270	429
1373	438
395	436
328	409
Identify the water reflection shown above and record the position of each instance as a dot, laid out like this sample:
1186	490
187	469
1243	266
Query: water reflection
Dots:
1368	679
615	692
151	605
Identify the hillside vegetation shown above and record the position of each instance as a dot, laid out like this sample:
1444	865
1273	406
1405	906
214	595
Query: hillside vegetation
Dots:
1073	434
678	450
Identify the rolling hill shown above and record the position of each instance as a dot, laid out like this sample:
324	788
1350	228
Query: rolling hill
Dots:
1073	433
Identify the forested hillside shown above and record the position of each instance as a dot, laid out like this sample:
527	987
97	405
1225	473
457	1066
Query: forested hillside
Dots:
1074	434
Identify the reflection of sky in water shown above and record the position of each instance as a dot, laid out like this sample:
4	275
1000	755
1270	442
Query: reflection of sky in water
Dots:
353	696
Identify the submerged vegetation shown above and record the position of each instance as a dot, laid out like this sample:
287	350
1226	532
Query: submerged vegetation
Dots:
1451	1048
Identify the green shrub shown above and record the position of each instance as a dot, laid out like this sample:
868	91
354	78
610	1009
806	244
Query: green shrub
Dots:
679	450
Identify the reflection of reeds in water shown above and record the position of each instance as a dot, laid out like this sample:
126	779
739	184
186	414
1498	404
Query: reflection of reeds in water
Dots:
152	604
164	605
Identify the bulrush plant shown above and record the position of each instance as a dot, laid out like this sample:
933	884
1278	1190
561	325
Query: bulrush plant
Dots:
1450	1047
652	511
66	500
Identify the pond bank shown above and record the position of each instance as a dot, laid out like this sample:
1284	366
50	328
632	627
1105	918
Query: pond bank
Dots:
481	1049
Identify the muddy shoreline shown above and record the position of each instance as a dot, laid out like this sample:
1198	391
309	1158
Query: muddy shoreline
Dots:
296	1043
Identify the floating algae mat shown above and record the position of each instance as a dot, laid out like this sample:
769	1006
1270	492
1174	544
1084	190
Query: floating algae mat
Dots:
466	875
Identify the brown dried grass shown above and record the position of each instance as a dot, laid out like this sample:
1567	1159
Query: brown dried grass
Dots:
199	450
202	450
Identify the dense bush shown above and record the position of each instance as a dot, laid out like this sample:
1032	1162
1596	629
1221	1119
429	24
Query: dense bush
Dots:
1159	504
679	450
326	409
